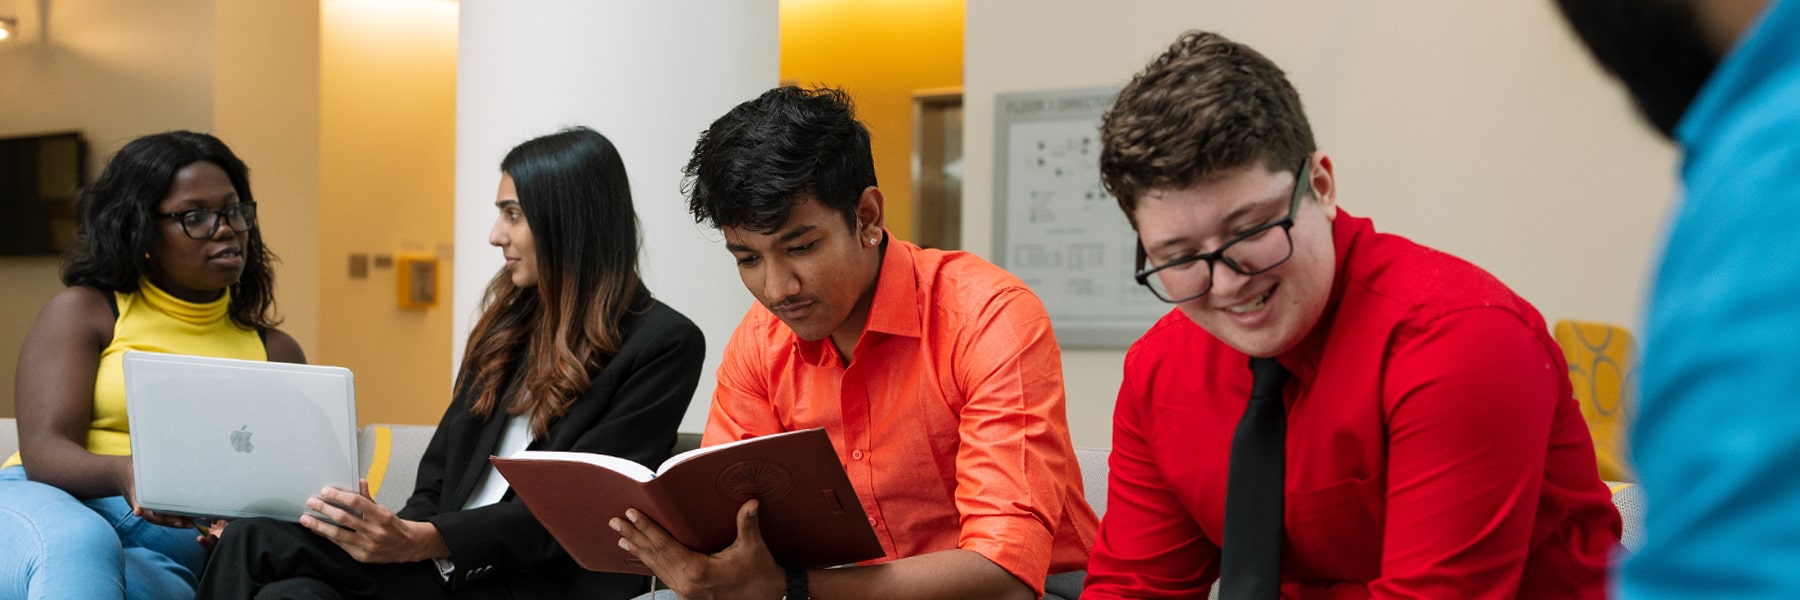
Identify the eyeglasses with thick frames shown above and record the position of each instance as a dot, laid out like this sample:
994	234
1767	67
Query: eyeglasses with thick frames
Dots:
1252	252
203	223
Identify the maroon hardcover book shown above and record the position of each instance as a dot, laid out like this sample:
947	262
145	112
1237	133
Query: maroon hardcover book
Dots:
809	514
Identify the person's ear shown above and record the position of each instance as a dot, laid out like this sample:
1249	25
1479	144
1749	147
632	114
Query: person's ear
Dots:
869	216
1324	184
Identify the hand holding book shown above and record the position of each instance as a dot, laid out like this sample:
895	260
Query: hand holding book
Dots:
807	512
747	565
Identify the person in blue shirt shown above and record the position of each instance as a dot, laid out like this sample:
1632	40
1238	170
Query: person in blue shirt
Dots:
1717	440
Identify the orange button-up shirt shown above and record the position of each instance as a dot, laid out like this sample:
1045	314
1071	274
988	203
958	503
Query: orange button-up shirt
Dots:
949	419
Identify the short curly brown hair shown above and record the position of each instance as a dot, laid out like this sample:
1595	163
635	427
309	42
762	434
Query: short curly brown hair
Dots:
1206	106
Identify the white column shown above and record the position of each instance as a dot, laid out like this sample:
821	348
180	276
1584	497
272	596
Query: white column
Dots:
650	76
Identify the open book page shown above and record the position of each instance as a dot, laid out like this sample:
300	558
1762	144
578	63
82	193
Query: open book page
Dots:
698	452
810	515
621	466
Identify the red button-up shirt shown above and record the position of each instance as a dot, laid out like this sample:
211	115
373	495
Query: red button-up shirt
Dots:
1434	447
949	419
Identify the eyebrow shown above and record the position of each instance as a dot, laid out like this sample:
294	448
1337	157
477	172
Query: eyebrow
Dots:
192	202
789	236
503	203
1231	219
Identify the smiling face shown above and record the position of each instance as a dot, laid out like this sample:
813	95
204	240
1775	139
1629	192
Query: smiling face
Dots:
815	272
513	235
190	269
1263	314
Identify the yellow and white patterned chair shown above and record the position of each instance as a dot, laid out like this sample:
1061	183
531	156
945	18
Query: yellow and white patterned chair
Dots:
1602	366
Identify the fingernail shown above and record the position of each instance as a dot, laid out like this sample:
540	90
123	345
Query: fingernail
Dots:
613	523
624	545
631	513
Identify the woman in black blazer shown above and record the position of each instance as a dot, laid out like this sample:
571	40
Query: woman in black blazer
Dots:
571	353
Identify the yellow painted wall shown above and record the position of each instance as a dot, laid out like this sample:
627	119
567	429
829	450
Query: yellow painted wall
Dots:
881	51
266	106
386	186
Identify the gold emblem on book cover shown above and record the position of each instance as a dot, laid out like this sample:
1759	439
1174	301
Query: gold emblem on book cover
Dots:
759	479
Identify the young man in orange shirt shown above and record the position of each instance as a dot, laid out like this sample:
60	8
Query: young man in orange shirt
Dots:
935	373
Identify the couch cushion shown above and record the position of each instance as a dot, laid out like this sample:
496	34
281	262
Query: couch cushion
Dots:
390	458
9	438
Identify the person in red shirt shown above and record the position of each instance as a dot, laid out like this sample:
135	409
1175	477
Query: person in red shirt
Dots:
1432	447
935	374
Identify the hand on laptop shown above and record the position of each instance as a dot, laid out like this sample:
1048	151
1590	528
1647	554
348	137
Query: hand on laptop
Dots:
178	522
130	493
210	530
370	532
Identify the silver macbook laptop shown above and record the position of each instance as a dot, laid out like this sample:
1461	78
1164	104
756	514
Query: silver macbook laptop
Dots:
216	437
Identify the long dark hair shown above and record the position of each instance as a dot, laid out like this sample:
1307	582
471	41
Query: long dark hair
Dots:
116	229
577	202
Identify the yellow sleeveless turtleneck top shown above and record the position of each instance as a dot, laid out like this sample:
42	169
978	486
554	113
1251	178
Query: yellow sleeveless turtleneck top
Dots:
154	321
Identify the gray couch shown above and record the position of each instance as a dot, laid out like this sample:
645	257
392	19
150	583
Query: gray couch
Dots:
390	456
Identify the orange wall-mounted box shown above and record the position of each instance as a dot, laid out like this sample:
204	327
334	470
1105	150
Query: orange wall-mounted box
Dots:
418	281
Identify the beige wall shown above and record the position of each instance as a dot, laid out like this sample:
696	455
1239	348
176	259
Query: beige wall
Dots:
388	131
266	106
113	69
1479	128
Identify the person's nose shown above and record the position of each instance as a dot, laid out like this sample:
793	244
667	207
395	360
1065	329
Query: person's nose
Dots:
779	282
1226	281
223	226
497	235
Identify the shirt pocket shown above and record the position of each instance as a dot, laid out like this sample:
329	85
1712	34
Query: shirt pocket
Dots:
1334	532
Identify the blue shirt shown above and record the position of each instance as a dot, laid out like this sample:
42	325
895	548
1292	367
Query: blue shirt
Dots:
1717	442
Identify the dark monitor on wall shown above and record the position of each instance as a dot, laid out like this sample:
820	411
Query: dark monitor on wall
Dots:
40	176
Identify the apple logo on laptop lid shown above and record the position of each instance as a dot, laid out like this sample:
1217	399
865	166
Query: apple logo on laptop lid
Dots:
240	440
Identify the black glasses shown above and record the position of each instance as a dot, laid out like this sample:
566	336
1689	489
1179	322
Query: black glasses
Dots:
1252	252
203	223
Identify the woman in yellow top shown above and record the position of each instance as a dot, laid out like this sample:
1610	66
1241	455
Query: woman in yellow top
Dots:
167	258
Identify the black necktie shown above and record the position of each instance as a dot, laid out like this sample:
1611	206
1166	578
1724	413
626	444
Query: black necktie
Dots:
1250	559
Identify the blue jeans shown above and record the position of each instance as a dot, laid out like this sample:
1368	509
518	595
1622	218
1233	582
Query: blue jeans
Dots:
55	546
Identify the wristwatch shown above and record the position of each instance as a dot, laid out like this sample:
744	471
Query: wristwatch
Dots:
796	584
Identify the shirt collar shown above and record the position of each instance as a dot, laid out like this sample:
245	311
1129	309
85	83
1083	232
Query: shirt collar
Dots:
897	308
1303	359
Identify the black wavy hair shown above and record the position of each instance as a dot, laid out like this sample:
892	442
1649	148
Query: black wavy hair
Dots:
786	146
116	229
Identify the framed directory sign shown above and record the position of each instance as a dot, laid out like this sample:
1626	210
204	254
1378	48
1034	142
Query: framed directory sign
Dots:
1056	227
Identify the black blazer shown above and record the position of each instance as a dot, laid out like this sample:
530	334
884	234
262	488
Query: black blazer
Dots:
631	411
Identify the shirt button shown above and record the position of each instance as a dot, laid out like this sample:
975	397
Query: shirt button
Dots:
871	521
858	455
